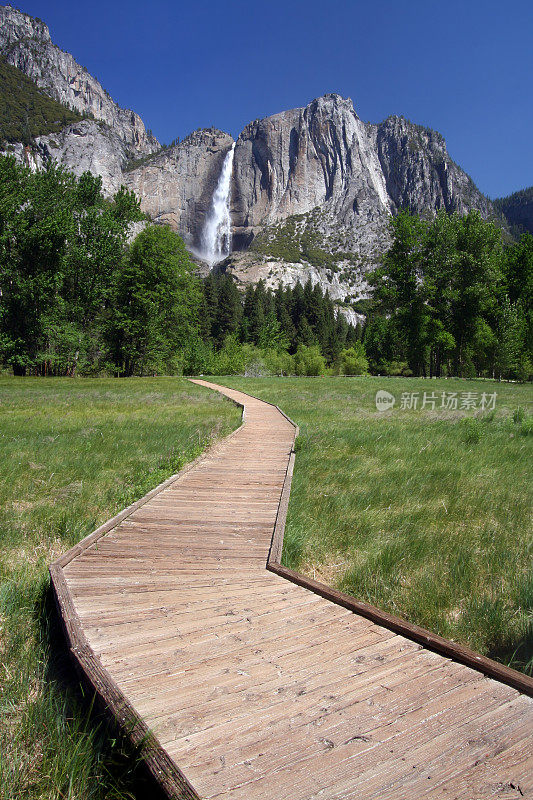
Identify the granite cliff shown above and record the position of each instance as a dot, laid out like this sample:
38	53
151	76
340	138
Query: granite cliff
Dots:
176	185
110	136
311	192
314	189
299	160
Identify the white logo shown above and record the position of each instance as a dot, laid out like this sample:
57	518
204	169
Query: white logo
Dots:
384	400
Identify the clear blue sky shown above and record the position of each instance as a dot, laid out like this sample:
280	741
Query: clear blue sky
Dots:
464	68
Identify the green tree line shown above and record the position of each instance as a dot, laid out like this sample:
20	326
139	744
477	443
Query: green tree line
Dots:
452	298
80	294
290	331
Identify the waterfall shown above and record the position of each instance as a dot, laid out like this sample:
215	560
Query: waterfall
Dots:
216	235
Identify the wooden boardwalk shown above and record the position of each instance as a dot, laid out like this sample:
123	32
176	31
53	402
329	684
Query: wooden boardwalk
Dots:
259	689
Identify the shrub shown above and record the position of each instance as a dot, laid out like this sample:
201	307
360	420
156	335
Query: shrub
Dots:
278	363
198	358
309	361
254	365
353	360
230	359
472	431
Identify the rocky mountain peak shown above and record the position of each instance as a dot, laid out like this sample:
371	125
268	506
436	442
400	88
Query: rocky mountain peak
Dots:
298	160
15	25
420	175
414	136
25	43
332	103
209	137
311	192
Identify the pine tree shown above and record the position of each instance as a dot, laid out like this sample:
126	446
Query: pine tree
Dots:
304	333
297	305
337	338
247	313
210	306
282	305
271	335
229	310
269	305
257	313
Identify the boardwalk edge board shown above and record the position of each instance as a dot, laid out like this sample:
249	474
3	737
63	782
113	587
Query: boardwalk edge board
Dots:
431	641
169	777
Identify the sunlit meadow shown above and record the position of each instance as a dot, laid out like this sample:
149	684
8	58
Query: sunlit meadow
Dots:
73	453
424	513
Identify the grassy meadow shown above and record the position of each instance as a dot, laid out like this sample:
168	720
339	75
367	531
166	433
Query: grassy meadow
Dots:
424	513
73	453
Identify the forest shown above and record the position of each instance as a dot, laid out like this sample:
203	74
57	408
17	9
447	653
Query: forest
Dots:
453	296
90	287
26	111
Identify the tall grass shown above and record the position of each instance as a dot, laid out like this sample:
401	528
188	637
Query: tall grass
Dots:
426	514
73	453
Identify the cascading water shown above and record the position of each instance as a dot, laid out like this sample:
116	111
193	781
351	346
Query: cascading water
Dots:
216	235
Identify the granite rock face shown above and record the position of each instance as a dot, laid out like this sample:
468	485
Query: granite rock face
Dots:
176	185
419	174
312	189
323	156
84	146
320	178
248	267
87	146
296	161
26	44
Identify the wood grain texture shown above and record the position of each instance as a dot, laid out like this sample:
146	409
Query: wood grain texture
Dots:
258	683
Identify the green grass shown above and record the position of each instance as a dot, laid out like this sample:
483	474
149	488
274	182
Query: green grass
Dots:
73	453
426	514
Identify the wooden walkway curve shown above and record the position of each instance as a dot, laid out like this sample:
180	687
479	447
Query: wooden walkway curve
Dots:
256	688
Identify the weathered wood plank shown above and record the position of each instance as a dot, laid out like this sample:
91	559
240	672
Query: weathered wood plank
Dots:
265	684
